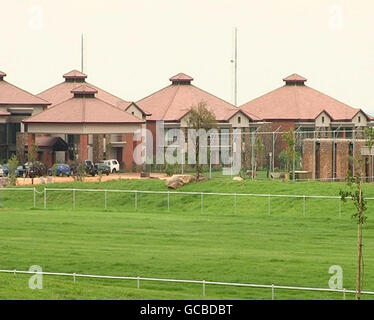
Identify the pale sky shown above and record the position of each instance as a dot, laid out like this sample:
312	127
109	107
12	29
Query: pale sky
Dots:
133	47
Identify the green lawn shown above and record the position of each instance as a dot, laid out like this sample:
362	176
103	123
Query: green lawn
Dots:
284	248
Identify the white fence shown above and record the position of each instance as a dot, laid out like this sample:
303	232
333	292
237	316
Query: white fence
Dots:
204	283
167	194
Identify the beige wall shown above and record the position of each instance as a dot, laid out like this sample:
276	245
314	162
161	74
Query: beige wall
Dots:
327	121
135	111
244	121
363	120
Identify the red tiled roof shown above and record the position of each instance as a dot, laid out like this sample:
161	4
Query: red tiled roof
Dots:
83	110
62	92
298	102
10	94
174	101
84	89
295	77
75	74
181	77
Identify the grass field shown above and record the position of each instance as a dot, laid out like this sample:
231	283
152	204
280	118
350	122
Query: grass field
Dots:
284	248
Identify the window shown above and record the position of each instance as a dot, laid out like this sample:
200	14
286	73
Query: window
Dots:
132	112
239	120
359	119
323	119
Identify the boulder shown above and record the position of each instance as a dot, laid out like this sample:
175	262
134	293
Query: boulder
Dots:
179	180
237	179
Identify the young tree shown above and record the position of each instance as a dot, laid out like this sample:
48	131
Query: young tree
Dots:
289	151
259	152
369	134
356	194
31	157
13	164
200	118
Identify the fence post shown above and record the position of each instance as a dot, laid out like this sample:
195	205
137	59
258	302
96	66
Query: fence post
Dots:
106	199
34	198
272	292
45	198
344	294
168	201
269	207
304	205
204	288
15	272
74	277
138	282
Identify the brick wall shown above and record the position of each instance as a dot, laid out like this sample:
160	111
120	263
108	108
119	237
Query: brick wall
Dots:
342	158
308	157
325	159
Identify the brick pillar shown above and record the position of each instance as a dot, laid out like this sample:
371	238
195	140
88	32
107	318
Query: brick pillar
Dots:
342	159
30	141
127	151
308	156
325	159
48	158
83	147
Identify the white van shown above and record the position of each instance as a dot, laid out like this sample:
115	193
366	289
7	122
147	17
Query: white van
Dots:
113	164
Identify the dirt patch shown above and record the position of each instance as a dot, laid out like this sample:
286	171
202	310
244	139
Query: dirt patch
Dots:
104	178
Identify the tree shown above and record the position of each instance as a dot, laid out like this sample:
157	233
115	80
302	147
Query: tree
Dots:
369	134
31	157
13	164
259	152
356	194
289	151
200	118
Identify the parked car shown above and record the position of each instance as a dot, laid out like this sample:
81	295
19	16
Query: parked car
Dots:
102	168
21	171
60	169
88	166
3	170
113	165
36	169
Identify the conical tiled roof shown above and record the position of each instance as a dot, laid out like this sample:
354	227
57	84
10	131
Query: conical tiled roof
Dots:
83	110
298	102
75	74
181	77
63	91
174	101
10	94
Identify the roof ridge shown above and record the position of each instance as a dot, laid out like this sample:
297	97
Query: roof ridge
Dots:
116	107
214	96
35	96
151	94
171	101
